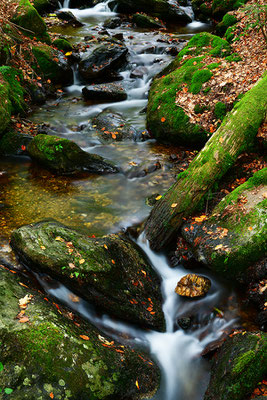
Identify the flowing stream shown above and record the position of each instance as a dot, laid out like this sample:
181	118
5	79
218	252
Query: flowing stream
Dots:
104	204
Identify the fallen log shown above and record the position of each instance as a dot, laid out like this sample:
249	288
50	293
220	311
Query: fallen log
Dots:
235	135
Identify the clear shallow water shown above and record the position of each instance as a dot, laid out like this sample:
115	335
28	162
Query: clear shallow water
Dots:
104	204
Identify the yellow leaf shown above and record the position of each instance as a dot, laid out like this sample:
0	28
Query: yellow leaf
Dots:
159	197
219	246
105	246
137	384
69	53
221	139
59	239
173	205
81	261
43	247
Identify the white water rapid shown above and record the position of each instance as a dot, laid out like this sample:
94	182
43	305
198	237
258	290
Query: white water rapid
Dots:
177	352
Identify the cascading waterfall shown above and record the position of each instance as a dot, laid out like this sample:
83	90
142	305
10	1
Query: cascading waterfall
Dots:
178	353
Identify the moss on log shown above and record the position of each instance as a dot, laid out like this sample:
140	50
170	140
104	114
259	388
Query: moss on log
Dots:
236	134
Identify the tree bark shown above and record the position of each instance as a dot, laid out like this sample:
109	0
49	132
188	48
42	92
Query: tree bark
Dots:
235	135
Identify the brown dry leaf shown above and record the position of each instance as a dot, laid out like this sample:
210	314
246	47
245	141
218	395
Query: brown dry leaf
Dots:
23	320
174	205
71	265
219	246
25	300
84	337
74	298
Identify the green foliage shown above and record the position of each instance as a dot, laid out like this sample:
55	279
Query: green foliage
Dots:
257	13
220	110
198	79
227	21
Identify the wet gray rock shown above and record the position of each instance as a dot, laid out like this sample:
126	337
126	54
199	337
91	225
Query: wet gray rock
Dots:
163	9
66	157
145	21
112	23
107	92
69	17
109	271
101	64
114	124
139	72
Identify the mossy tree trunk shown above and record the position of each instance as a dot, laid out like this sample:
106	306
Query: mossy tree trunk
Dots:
235	135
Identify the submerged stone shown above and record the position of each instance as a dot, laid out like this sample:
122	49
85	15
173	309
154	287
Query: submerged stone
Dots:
238	367
109	271
14	143
108	123
66	157
192	285
104	92
51	356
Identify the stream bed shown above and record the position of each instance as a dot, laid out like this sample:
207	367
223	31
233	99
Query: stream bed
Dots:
100	205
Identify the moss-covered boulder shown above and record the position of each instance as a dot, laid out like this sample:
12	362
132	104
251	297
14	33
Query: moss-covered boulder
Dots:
216	9
44	6
14	143
32	24
51	357
52	65
11	95
234	236
227	21
63	45
239	366
167	121
145	21
110	272
163	9
66	157
101	64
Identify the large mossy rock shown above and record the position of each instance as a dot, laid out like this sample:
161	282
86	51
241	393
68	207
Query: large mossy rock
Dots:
239	366
32	24
44	6
48	357
234	236
52	65
103	62
163	9
66	157
216	9
167	121
110	272
11	95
